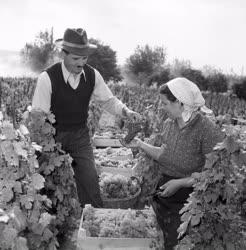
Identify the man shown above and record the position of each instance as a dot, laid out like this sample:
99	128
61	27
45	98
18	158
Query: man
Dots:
66	89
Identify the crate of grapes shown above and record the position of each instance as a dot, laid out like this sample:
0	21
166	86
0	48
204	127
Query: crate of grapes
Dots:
118	229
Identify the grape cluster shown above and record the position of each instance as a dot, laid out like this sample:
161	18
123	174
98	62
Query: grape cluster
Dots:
133	128
120	223
117	186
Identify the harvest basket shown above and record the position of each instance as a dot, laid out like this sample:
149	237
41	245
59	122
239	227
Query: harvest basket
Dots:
124	203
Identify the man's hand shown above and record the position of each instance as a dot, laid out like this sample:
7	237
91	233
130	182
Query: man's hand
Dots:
131	115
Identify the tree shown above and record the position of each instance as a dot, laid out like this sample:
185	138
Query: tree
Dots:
43	52
39	54
240	88
178	67
195	76
104	60
217	82
146	61
160	77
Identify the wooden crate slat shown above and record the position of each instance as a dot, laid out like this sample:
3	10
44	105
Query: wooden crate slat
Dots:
122	171
106	142
102	243
93	243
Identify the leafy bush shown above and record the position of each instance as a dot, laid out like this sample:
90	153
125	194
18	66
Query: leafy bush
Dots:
217	82
160	77
39	54
146	61
195	76
104	60
240	88
215	215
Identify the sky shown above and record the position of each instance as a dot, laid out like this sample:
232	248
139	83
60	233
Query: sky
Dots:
205	32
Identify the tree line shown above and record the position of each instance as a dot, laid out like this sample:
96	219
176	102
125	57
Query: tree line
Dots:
146	66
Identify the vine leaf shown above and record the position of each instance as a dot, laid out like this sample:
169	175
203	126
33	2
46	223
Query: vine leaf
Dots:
9	153
19	148
19	218
195	220
8	130
183	227
9	235
7	194
45	219
231	145
4	218
26	201
21	244
38	181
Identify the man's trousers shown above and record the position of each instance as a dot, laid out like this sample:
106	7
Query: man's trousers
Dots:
78	145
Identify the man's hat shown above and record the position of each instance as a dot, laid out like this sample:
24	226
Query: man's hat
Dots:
75	41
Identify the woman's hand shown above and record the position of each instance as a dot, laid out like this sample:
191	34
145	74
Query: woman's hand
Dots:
135	143
171	187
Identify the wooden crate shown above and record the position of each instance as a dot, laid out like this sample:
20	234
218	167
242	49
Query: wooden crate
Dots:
100	243
102	142
122	171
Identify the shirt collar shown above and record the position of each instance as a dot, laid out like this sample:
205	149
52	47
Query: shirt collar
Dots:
67	74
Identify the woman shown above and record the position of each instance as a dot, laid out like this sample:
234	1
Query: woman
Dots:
188	136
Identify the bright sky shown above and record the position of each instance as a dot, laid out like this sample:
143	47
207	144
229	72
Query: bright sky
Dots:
206	32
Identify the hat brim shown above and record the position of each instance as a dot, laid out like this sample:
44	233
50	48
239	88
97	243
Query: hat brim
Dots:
76	49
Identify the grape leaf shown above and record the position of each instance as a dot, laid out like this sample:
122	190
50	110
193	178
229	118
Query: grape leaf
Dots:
7	194
20	244
45	219
4	218
231	145
47	234
195	220
19	218
9	235
19	148
38	181
9	153
26	201
18	187
8	130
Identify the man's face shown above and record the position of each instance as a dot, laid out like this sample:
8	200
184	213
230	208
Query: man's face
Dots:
75	63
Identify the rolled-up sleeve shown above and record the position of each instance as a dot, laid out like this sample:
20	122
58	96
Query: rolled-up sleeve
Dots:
103	95
42	94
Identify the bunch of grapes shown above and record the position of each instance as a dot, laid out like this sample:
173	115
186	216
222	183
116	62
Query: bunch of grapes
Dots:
118	186
120	223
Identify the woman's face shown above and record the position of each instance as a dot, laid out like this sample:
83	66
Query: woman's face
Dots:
174	109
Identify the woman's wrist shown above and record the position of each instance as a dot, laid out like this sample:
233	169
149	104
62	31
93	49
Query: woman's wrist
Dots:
140	143
186	182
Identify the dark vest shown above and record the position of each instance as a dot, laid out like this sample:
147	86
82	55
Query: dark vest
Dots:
70	106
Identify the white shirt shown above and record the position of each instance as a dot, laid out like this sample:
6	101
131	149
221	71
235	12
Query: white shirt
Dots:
101	92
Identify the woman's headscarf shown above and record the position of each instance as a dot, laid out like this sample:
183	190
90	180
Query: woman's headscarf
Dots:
190	95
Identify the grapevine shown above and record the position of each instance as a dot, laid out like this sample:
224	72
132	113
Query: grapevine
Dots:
25	222
214	216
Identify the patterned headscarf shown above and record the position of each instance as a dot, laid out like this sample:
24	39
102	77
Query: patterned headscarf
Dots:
190	95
